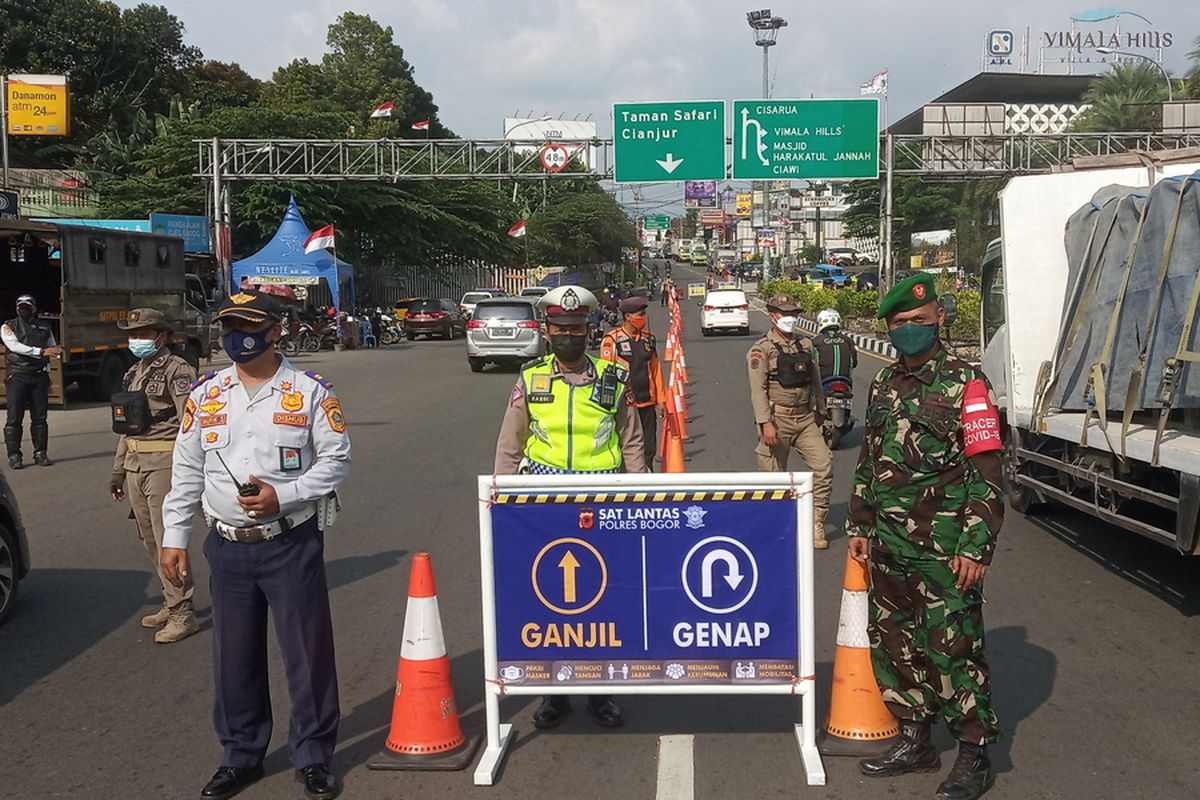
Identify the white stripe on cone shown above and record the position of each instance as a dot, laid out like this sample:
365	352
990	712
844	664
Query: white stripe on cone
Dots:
852	622
423	640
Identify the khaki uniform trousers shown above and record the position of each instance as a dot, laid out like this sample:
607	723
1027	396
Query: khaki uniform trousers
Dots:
147	490
803	435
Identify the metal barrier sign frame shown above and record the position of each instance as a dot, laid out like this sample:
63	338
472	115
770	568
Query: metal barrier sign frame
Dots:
497	489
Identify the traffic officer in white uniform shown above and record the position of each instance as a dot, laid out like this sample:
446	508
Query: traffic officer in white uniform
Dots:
263	446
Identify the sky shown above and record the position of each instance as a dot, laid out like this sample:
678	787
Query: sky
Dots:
484	60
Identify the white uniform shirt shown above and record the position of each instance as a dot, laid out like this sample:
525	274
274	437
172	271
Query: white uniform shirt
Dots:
291	435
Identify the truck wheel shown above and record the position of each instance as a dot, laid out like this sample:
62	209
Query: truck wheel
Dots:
1023	499
109	379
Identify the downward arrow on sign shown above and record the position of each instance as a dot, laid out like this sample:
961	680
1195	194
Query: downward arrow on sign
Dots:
669	163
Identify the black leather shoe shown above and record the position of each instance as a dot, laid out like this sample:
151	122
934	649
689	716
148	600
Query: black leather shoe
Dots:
228	781
42	460
552	711
913	752
606	713
319	782
970	776
16	462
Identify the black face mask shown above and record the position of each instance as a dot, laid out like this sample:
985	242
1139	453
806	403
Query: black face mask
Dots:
25	313
568	347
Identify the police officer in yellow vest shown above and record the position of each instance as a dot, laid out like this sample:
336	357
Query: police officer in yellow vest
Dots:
570	413
147	413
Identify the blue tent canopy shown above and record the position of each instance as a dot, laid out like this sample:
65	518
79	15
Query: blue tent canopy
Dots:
282	260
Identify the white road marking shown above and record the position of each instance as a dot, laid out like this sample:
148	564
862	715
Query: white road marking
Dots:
676	776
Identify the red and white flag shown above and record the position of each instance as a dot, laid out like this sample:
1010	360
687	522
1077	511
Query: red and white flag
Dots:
383	110
319	240
423	125
517	230
877	85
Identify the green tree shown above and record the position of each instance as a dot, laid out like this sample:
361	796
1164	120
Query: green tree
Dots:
1191	81
215	84
1126	98
583	228
363	68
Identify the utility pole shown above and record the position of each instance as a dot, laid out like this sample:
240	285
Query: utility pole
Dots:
4	121
766	30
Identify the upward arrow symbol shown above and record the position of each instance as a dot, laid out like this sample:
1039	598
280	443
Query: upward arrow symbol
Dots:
669	163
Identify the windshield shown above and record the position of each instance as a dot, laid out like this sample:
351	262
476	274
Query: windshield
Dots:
424	306
504	311
992	291
470	298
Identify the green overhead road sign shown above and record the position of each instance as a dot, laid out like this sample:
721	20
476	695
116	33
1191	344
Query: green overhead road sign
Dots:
659	222
668	141
797	139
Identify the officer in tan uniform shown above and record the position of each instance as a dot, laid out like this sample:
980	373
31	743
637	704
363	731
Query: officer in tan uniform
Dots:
147	414
789	405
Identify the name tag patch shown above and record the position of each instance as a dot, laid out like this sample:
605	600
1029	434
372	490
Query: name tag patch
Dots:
209	422
295	420
289	459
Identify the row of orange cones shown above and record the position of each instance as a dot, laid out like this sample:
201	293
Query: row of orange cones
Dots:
675	431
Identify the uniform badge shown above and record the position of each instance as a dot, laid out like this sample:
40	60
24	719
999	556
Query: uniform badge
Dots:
289	459
180	385
291	401
919	291
189	415
227	381
294	420
212	403
625	347
211	437
213	421
333	413
516	396
541	384
241	298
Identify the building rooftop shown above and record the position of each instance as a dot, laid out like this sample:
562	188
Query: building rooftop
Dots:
1004	87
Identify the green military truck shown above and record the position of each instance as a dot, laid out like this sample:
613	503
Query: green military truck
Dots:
85	280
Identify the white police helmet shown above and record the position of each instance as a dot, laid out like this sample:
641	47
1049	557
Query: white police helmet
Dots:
568	305
828	318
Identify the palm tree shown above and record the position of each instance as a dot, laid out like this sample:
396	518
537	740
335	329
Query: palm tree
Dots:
1126	98
1191	81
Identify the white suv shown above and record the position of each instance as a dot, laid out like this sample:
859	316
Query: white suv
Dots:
725	310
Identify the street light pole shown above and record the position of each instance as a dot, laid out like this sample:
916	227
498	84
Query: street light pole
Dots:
766	30
1110	51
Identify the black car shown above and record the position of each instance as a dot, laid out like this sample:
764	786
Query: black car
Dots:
14	549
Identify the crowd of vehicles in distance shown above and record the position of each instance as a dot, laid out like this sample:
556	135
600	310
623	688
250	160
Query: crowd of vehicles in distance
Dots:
683	250
85	280
843	257
434	316
14	549
829	275
504	330
725	310
1091	347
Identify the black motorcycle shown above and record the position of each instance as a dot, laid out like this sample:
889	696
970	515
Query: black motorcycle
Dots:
839	390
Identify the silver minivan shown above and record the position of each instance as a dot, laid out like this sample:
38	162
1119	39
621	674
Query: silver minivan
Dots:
504	330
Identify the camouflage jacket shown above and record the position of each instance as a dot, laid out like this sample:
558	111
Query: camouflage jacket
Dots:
916	492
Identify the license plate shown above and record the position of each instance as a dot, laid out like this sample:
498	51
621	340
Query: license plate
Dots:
502	332
726	310
837	402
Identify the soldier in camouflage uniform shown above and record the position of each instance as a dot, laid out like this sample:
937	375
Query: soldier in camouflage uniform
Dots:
926	515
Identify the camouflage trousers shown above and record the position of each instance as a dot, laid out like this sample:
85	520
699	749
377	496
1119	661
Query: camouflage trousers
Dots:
927	646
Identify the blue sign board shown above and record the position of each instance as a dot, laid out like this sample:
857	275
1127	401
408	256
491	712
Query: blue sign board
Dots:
132	225
646	588
194	230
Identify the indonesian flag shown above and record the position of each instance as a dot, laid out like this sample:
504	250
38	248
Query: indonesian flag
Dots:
517	230
423	125
383	110
319	240
877	85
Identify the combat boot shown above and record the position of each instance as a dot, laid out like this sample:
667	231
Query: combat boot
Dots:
41	459
15	461
157	619
913	752
181	623
819	540
970	776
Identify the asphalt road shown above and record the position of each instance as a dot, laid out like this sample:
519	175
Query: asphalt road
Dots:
1093	634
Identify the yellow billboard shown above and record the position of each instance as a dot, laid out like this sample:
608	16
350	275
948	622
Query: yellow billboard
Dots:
38	105
744	204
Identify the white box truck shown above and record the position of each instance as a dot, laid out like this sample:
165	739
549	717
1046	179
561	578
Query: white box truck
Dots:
1090	333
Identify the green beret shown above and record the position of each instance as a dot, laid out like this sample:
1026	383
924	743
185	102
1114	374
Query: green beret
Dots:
913	291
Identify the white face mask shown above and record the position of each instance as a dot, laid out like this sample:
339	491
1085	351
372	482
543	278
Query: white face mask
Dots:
786	325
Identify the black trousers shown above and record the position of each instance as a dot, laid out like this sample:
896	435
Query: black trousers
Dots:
26	391
287	576
649	418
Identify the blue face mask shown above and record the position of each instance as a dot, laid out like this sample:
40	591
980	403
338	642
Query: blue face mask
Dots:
243	347
143	348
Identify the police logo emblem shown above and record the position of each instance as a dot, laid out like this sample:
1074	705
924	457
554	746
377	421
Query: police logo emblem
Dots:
919	291
570	300
241	298
695	517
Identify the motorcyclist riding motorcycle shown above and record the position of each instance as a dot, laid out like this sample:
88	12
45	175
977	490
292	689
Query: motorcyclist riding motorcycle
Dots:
838	357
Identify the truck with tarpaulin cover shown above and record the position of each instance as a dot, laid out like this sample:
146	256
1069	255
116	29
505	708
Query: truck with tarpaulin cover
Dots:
1091	338
85	280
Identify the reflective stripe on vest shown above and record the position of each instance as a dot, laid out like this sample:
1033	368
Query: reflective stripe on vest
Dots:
568	430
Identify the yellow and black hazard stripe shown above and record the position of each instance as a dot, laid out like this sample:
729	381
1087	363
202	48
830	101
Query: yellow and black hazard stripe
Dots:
644	497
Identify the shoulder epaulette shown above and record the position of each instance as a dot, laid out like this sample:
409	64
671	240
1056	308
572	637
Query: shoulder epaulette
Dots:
533	362
203	379
316	377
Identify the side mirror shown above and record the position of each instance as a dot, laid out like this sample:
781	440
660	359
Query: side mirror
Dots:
949	304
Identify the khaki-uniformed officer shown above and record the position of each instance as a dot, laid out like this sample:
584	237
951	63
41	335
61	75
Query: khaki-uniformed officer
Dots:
263	445
551	427
146	414
634	347
789	405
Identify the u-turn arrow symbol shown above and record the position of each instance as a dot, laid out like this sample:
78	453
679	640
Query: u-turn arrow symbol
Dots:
733	576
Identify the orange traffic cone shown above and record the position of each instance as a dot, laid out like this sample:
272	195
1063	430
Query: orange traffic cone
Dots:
425	732
680	414
859	723
683	365
680	386
673	455
669	354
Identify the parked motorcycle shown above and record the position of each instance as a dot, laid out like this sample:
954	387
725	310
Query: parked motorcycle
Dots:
390	330
839	390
